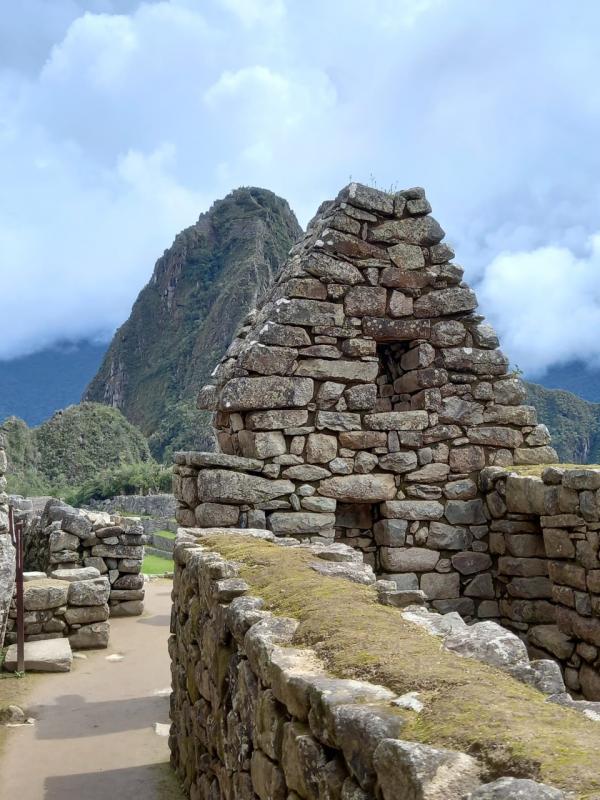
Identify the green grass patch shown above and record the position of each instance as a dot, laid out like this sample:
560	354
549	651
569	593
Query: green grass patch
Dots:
469	706
156	565
165	534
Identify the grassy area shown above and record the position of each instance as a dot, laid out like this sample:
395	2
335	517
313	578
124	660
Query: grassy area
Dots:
469	706
166	534
535	470
156	565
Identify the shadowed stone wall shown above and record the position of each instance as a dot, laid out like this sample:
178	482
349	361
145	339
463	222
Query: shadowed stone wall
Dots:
545	547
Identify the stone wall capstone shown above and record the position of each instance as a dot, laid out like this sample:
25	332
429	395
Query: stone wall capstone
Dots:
359	403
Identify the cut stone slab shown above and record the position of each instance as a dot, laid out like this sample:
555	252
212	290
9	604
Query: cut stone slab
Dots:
45	655
72	575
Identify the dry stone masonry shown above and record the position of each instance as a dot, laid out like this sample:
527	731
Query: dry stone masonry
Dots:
257	716
361	401
65	538
545	545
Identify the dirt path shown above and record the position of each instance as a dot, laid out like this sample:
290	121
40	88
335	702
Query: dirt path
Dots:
94	736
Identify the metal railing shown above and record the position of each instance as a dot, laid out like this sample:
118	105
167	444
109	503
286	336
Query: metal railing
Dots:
16	529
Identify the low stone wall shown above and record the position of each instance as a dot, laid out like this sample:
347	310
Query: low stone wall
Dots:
545	542
150	505
66	538
256	714
73	604
7	552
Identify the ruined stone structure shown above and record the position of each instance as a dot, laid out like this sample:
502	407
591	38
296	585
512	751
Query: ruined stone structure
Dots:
544	543
65	538
72	603
361	401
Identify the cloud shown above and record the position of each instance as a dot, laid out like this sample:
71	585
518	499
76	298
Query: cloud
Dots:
121	121
545	304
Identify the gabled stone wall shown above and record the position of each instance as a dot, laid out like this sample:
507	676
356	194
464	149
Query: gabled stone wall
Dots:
361	401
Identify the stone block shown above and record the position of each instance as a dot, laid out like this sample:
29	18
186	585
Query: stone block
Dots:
411	559
438	586
249	394
216	515
94	592
223	487
260	445
348	371
45	594
370	488
320	448
45	655
90	637
300	522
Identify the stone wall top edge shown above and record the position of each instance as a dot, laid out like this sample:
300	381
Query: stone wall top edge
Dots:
228	589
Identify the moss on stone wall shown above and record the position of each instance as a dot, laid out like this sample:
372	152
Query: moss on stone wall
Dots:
469	706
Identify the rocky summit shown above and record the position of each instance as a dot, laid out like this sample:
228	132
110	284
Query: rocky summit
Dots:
202	287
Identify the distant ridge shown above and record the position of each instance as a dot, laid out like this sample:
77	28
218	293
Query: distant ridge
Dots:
34	387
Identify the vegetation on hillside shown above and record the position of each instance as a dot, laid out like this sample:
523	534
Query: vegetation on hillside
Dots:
574	423
85	444
185	318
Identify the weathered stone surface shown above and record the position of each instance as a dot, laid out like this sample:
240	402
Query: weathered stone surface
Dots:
267	360
223	460
325	369
439	586
516	789
398	462
274	420
45	594
468	563
283	335
362	440
412	509
308	312
448	537
411	559
359	488
83	615
445	301
396	330
221	486
306	472
243	394
397	421
407	256
495	436
470	359
465	512
488	642
216	515
338	421
333	270
261	444
423	231
94	592
80	574
365	301
90	637
47	655
300	522
320	448
407	769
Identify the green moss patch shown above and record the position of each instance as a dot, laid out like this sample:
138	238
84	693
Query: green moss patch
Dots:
468	705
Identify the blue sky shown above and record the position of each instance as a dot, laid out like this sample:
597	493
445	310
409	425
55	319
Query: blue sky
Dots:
120	121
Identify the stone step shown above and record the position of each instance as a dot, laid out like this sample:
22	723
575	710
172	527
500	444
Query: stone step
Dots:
46	655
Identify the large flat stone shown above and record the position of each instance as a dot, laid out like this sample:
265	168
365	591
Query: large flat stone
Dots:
247	394
45	655
79	574
324	369
222	486
195	458
359	488
43	594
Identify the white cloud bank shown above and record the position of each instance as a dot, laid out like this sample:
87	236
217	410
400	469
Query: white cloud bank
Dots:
121	120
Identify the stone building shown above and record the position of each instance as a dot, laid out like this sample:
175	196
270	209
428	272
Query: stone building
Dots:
361	401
